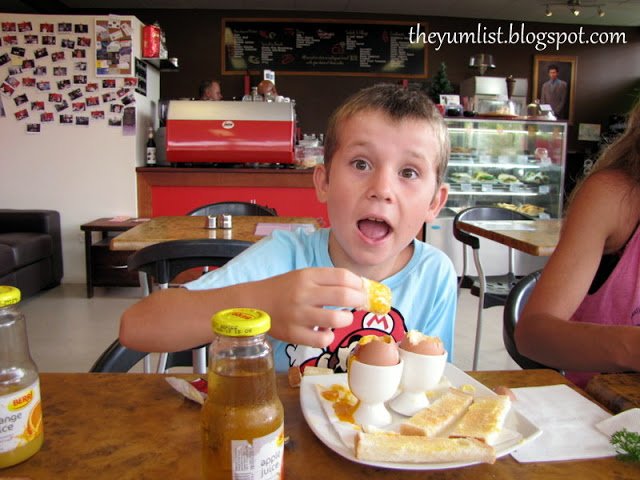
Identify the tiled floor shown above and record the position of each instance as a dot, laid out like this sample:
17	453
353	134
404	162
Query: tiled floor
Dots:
67	331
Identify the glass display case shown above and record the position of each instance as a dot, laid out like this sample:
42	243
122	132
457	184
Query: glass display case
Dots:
516	164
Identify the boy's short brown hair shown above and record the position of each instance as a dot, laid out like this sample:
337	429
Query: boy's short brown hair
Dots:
398	103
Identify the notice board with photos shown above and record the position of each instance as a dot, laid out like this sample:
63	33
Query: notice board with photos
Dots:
321	47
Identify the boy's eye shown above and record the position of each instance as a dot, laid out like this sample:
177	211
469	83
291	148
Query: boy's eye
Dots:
360	164
408	173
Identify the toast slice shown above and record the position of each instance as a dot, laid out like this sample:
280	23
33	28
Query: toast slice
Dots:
378	297
438	416
389	447
484	419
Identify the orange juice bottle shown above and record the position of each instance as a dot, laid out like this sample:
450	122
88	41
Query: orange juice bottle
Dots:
242	418
21	432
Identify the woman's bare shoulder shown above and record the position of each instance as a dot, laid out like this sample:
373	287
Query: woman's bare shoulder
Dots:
608	189
609	201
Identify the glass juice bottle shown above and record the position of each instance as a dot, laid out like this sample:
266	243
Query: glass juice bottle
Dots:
242	418
21	432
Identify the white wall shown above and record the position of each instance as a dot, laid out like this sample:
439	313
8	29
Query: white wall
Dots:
83	172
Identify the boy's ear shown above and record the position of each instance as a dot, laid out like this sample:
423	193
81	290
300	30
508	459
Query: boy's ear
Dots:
321	182
439	200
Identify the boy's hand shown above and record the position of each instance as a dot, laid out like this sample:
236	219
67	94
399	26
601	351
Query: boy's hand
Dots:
296	300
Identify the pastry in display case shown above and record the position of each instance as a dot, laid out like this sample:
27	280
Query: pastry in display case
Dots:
514	164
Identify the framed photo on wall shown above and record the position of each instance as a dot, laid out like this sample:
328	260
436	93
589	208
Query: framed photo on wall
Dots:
554	82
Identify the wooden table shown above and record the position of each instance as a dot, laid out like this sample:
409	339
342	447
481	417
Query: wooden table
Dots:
163	229
134	426
535	237
106	268
616	391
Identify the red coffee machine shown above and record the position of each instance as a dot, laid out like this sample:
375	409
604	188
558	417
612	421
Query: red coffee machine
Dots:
230	132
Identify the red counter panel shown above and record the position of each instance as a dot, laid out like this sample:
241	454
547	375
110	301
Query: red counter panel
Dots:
296	202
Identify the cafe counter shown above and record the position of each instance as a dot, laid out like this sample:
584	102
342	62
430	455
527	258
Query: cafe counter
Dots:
178	190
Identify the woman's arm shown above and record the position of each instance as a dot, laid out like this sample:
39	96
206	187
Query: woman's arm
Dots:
600	220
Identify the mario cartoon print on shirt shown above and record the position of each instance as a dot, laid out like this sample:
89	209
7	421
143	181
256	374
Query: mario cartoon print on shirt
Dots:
345	339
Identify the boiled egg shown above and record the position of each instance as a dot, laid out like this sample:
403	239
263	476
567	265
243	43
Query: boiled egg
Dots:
377	350
417	342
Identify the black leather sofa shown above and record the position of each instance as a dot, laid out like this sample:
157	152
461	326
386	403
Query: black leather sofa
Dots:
30	250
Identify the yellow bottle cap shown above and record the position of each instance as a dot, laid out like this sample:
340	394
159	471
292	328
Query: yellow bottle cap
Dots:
241	322
9	295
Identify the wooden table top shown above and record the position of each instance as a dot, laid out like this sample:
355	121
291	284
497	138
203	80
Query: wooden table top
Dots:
163	229
135	426
616	391
535	237
111	224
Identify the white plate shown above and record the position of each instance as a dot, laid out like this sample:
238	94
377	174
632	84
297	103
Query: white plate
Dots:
325	431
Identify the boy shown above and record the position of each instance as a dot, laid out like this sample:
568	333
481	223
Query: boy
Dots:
386	153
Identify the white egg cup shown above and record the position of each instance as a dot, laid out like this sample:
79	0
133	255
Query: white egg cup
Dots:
373	385
420	373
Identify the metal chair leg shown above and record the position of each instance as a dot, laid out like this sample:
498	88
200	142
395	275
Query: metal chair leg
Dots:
146	365
200	360
483	285
162	362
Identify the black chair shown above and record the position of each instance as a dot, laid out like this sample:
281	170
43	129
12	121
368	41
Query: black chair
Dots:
117	359
513	308
490	290
162	262
236	209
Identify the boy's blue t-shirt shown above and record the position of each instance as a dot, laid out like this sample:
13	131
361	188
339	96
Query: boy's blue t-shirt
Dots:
424	294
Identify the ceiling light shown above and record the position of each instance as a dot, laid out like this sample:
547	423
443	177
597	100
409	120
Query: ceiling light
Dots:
575	7
482	62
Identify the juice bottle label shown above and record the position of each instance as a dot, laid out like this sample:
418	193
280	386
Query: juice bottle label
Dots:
20	417
260	459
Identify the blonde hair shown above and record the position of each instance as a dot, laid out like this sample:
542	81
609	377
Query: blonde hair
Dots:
622	155
398	103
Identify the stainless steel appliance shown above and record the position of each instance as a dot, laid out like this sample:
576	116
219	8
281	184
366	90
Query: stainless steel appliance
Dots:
489	94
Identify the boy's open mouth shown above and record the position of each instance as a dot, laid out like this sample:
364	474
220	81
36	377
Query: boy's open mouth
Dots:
373	228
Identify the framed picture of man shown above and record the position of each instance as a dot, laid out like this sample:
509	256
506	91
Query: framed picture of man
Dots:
554	81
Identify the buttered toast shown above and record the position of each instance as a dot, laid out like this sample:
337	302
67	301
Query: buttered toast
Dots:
484	419
389	447
438	416
378	297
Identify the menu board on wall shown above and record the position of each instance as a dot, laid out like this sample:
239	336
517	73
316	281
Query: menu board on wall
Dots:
322	47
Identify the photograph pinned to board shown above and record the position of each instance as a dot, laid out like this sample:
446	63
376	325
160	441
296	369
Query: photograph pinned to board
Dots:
64	27
113	47
33	128
129	121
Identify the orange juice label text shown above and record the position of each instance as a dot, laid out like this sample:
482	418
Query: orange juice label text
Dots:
20	418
